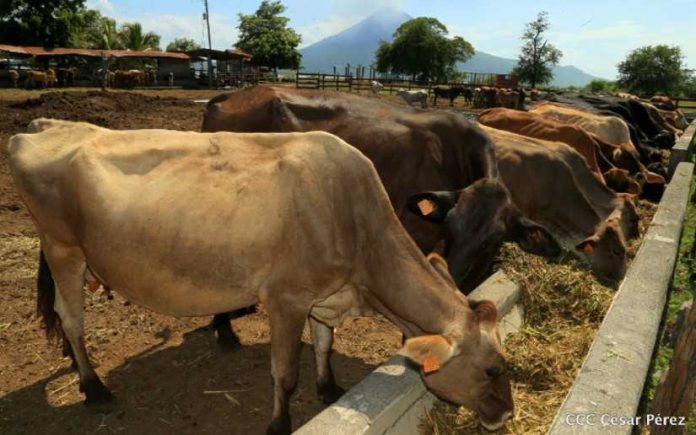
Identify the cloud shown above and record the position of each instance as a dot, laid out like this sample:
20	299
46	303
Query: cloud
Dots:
101	5
620	30
318	30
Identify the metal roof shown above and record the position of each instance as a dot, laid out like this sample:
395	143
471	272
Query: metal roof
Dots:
219	54
48	52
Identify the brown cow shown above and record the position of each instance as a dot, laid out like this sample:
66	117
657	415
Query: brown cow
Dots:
36	79
550	182
588	145
13	75
425	159
299	222
533	125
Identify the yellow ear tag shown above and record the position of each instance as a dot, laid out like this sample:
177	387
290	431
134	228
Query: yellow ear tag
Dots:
431	364
426	207
587	249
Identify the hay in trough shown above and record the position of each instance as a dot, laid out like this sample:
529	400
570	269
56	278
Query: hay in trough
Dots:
564	305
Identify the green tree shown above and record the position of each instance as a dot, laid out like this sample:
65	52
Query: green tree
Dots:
183	44
32	22
132	38
422	49
537	57
601	85
266	35
651	69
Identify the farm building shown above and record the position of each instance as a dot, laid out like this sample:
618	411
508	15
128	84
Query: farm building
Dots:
186	68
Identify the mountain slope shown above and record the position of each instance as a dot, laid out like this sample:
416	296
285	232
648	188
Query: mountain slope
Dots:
357	45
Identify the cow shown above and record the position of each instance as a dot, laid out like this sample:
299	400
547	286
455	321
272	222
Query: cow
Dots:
51	78
36	79
376	87
13	74
613	136
468	95
551	183
449	92
647	150
438	168
411	97
591	147
297	221
648	130
663	101
507	98
485	96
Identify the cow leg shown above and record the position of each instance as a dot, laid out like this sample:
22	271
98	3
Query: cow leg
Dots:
287	325
322	338
68	268
225	335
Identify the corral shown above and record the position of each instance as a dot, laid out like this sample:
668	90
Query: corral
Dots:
169	375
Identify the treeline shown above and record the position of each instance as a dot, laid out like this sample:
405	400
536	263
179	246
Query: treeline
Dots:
68	23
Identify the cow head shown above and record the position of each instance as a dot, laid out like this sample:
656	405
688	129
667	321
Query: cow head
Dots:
606	250
467	368
477	220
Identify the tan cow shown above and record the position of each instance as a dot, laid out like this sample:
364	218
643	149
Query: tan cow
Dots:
611	129
550	182
51	78
297	221
36	79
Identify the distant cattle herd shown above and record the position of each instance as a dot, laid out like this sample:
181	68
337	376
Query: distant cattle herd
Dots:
65	77
334	213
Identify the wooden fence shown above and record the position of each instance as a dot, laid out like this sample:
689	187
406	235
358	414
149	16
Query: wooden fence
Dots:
339	82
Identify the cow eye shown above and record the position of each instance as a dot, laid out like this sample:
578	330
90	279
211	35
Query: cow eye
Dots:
493	372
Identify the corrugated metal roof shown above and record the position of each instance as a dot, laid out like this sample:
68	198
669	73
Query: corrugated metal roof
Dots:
41	51
219	54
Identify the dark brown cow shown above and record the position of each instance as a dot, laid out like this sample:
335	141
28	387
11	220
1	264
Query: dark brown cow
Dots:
424	159
435	164
551	183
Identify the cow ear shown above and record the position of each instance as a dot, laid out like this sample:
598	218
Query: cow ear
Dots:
486	313
653	178
429	351
432	206
531	236
587	245
440	265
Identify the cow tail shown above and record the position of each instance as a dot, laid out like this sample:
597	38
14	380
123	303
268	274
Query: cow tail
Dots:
46	298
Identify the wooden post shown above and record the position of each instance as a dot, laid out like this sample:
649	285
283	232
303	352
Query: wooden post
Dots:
297	79
676	394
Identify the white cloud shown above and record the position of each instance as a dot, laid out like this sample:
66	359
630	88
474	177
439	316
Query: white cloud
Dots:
318	30
101	5
620	30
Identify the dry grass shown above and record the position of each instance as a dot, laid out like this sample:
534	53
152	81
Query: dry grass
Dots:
564	306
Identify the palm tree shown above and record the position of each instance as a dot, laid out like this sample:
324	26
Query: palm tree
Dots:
108	37
132	38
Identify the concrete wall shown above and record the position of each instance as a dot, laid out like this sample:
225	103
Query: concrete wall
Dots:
611	380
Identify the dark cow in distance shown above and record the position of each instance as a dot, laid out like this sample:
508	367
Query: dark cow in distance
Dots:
439	169
449	92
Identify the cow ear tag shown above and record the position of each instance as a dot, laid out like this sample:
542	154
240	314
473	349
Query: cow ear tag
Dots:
431	364
426	207
587	249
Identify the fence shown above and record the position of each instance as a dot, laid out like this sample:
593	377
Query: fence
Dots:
340	82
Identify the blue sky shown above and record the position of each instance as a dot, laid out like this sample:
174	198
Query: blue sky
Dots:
594	35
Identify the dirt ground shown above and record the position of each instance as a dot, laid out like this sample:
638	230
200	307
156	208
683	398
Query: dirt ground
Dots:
168	374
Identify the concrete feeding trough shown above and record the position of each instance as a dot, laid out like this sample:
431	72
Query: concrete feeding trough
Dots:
393	398
682	149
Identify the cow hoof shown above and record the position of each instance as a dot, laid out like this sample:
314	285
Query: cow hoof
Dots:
96	392
330	393
279	426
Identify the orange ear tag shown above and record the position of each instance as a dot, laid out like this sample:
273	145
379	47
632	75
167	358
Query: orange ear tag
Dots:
426	207
431	364
587	249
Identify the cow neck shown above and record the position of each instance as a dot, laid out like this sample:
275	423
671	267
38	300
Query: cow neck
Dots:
402	286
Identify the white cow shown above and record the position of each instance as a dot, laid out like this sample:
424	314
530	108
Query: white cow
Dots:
376	87
410	97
